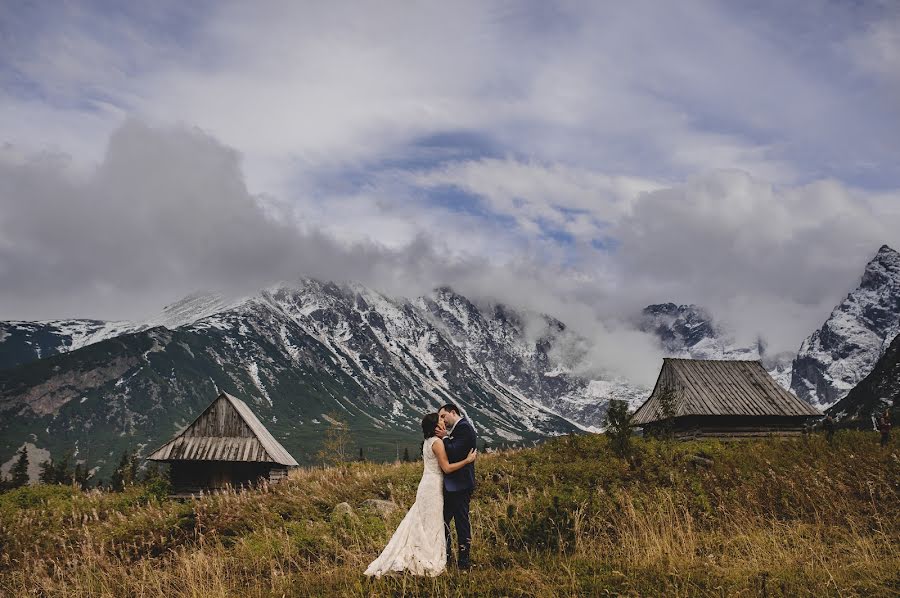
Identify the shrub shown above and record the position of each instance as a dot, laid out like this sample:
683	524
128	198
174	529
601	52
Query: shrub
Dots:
619	427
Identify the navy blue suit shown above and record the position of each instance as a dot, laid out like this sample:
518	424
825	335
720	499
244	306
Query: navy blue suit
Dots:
458	488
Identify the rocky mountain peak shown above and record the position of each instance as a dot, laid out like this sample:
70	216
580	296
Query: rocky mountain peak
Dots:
188	310
690	331
876	392
883	270
845	349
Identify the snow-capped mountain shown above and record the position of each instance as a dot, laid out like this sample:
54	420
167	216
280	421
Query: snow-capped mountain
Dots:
398	356
302	352
689	331
22	342
531	354
298	354
876	392
846	348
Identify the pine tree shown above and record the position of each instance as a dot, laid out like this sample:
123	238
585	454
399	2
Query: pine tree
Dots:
120	477
406	458
667	411
20	469
80	475
133	462
619	427
48	472
62	472
362	458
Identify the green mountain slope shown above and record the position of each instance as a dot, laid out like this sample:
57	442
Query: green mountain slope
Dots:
294	359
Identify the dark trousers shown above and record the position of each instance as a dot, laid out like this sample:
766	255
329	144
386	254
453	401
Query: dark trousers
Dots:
456	507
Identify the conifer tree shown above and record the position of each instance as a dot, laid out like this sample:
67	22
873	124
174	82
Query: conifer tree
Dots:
121	476
406	458
20	469
48	472
62	471
80	475
619	427
133	462
667	411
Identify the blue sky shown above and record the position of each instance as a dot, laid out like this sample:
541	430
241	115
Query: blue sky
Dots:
745	156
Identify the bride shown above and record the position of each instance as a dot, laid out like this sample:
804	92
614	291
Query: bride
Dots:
418	545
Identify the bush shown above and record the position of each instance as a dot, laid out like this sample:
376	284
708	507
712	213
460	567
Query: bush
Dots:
619	427
28	497
157	488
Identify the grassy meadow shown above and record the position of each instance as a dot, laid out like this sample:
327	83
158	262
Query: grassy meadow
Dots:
765	517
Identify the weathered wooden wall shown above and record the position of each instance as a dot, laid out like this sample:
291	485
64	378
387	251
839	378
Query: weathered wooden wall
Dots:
226	431
193	476
720	388
729	426
220	419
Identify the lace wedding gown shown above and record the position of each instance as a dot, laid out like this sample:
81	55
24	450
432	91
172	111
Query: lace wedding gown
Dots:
418	544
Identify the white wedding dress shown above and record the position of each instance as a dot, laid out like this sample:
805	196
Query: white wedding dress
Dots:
418	545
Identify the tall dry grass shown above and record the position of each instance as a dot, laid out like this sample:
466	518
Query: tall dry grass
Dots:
768	517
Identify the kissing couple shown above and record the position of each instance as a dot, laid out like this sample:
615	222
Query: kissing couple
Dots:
422	540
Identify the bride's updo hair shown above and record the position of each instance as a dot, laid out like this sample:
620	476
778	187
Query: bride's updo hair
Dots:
429	423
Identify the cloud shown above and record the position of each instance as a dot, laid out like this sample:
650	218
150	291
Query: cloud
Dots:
640	90
166	212
574	200
768	259
581	159
876	49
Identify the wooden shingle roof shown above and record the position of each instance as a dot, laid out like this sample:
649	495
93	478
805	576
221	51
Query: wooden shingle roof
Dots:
709	387
227	430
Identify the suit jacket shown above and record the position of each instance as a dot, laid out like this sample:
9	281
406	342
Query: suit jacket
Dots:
458	445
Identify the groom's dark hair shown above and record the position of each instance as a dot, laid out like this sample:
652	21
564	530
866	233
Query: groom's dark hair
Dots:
429	423
451	407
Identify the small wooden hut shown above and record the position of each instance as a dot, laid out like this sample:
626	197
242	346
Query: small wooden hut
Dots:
728	399
225	446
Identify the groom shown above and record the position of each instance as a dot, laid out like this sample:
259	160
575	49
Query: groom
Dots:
459	438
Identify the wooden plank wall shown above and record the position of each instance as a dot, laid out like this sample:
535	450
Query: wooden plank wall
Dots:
220	420
277	474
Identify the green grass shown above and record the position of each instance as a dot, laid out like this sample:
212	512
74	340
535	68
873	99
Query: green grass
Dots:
766	517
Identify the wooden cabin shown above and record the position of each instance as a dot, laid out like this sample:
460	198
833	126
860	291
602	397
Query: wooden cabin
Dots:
727	399
226	446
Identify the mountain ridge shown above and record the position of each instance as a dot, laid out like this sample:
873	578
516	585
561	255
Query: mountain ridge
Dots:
837	356
296	355
298	351
876	392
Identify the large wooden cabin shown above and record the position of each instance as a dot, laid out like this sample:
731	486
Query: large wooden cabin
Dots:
226	446
728	399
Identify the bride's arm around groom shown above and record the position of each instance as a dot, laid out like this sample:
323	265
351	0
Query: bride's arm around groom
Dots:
444	462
